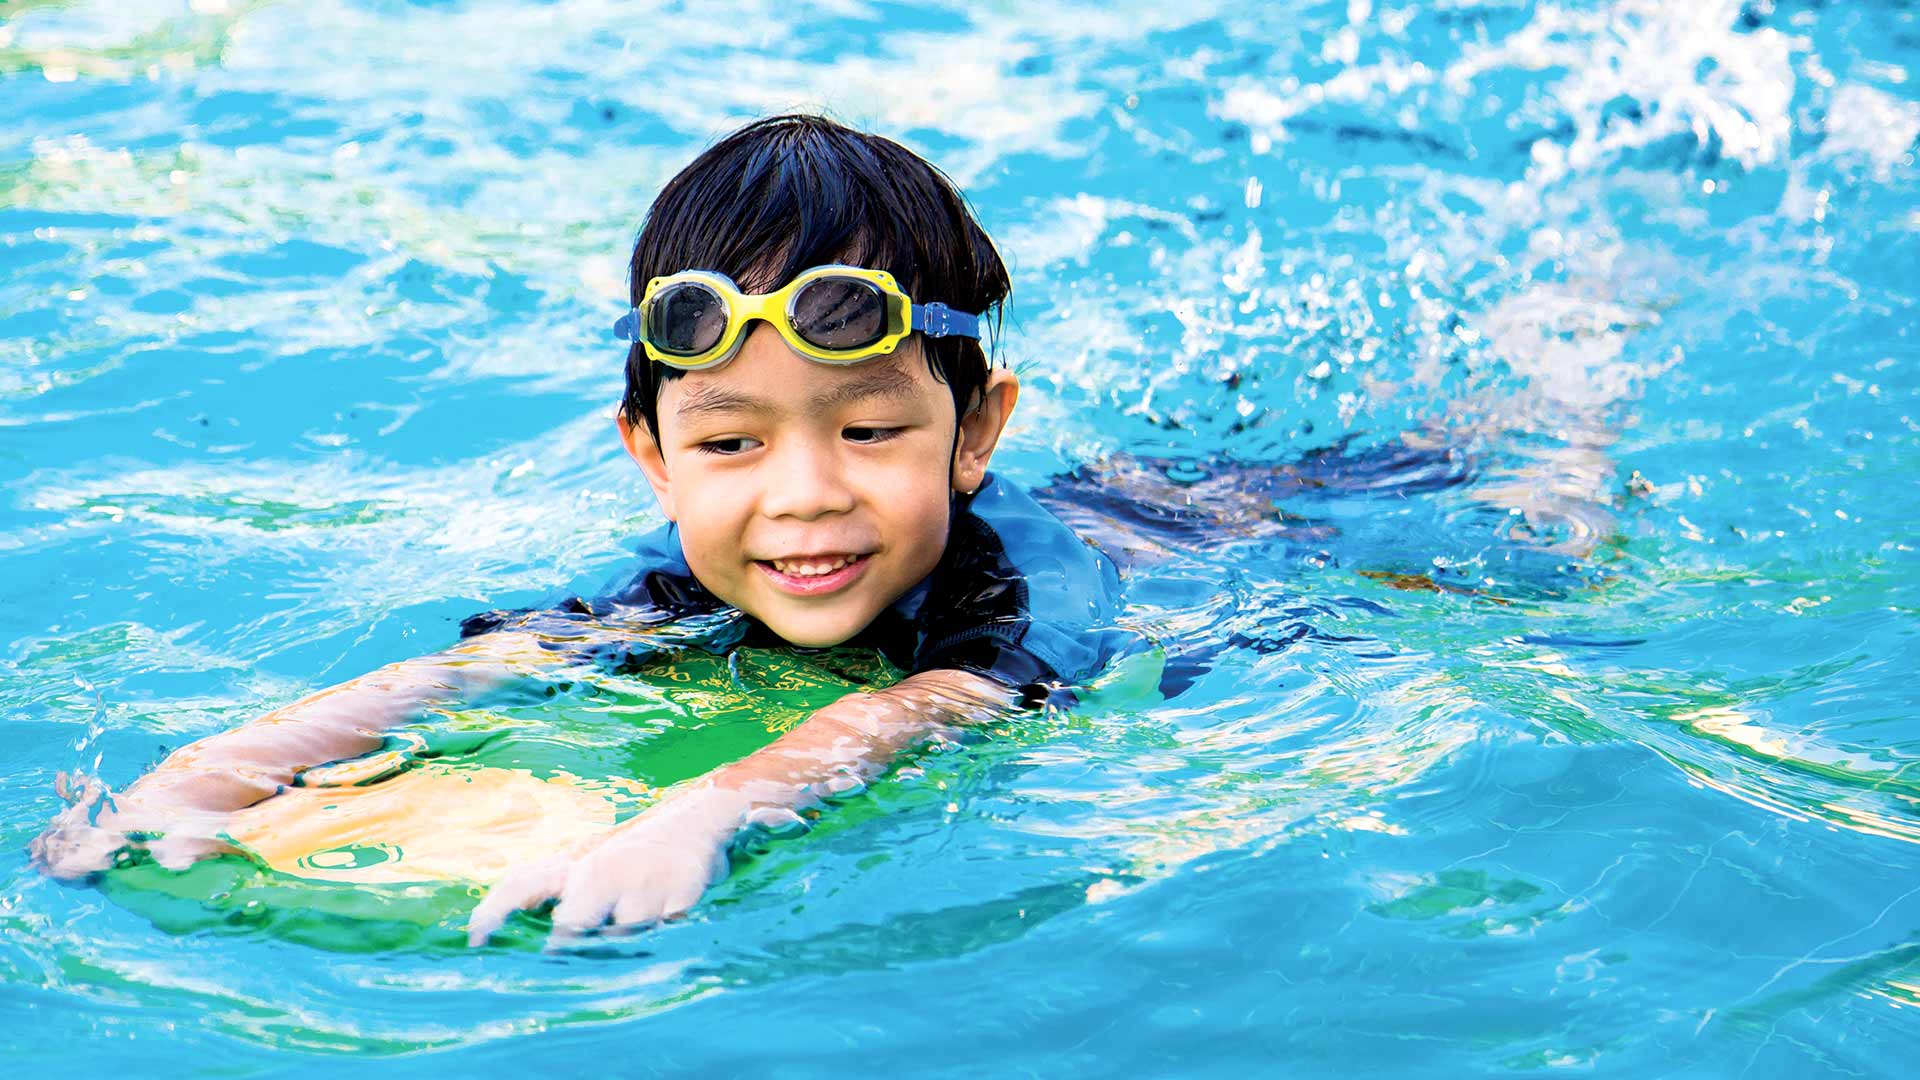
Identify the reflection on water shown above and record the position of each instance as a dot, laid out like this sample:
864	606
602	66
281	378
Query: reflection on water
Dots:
1504	411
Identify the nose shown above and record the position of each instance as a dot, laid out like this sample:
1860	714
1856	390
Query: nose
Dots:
806	480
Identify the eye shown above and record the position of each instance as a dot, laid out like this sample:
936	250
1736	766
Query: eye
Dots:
727	447
869	435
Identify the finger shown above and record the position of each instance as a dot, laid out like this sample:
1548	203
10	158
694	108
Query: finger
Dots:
77	788
88	799
524	886
681	897
74	851
177	851
76	816
639	909
174	852
682	900
583	907
79	859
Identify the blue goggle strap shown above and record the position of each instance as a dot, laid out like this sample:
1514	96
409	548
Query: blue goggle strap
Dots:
935	320
939	320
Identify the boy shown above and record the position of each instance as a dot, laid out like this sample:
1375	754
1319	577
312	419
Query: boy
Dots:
809	402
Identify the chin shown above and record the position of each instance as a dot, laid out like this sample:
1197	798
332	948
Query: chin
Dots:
817	632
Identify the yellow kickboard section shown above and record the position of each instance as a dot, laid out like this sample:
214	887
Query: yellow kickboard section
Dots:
430	823
395	817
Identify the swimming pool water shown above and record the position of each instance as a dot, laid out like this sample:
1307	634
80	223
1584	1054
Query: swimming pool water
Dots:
1607	759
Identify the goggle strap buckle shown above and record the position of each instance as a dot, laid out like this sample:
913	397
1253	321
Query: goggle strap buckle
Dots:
628	328
937	320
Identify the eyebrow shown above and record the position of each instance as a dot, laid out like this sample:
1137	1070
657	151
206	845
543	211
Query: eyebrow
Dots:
884	381
713	399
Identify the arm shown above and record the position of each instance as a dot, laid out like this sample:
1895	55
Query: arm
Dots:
187	797
657	864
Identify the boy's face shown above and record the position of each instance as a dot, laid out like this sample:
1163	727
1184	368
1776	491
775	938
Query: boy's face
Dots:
812	496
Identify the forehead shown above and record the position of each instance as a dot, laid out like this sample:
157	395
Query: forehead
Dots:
768	377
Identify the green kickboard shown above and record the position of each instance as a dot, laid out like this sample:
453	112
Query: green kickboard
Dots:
393	850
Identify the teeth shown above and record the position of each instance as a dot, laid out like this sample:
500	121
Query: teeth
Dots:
812	567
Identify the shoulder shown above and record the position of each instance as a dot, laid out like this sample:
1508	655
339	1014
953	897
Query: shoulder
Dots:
654	588
1065	576
1018	596
658	577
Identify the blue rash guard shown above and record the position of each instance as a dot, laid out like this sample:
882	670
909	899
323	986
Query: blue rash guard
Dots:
1016	597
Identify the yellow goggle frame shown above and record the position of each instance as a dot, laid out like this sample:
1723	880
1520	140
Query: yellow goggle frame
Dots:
776	308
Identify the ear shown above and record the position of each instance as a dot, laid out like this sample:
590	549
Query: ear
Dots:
645	452
980	430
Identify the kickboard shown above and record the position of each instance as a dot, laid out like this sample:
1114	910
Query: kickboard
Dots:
393	849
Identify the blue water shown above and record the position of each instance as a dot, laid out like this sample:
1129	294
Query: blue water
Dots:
1607	759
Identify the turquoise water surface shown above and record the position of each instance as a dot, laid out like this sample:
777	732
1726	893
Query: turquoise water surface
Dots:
1605	759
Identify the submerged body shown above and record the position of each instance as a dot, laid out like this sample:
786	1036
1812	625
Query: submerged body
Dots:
1034	604
826	474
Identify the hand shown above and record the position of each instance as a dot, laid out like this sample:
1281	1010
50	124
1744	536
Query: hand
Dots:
649	869
87	836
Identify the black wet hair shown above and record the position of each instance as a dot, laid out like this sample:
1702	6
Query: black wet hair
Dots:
788	193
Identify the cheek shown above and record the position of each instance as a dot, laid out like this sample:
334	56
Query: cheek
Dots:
921	467
916	507
710	524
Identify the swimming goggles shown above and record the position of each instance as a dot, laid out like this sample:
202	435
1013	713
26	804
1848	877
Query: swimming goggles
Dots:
696	319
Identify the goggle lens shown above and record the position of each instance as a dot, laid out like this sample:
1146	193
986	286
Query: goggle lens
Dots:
686	319
840	314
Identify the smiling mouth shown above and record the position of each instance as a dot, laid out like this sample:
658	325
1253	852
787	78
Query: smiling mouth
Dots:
814	575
